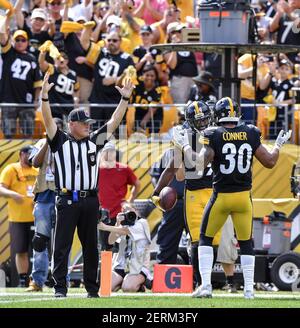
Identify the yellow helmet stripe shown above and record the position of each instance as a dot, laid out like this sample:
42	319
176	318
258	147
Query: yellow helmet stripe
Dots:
231	107
196	107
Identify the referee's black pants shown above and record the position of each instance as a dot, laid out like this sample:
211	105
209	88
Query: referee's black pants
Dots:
83	215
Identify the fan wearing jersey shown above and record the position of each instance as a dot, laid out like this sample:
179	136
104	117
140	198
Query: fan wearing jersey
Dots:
143	55
38	31
182	65
147	92
281	92
21	82
286	24
65	88
230	148
110	62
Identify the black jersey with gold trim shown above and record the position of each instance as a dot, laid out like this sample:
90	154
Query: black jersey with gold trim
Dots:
64	86
281	90
146	97
140	51
20	76
63	90
194	179
108	65
234	149
288	32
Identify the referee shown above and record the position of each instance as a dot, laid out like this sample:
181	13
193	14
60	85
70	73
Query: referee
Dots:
76	172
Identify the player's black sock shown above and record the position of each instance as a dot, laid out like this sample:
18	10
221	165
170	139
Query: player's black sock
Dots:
195	264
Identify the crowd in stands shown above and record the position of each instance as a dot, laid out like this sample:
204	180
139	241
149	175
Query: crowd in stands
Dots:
89	47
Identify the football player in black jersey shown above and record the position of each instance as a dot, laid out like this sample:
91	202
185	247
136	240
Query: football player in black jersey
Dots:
65	89
198	188
147	92
230	148
20	83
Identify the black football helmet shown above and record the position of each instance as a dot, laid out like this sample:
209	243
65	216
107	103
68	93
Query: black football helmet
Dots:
198	115
226	110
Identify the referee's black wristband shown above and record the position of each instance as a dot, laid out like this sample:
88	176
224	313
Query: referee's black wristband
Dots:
125	98
45	99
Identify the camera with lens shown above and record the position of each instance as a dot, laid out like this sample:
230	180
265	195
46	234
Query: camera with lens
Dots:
268	59
129	218
104	216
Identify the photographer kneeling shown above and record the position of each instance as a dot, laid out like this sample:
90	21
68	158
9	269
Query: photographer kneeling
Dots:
131	263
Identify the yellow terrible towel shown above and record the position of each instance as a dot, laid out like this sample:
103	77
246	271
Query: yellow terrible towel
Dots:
48	46
69	27
7	5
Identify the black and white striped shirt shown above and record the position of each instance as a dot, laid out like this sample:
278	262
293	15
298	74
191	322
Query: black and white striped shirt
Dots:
77	161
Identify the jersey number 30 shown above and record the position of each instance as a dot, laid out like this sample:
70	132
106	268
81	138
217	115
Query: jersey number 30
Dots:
236	158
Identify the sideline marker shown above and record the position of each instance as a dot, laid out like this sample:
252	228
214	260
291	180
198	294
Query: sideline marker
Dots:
170	278
106	272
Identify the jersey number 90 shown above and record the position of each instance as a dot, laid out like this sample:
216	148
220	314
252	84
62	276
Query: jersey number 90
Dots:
64	85
108	68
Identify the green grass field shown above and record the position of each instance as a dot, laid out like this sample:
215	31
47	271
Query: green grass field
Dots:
16	298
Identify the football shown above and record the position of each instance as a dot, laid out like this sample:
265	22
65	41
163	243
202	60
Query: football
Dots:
168	198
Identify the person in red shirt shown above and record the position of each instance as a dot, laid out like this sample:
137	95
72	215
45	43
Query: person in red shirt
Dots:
114	179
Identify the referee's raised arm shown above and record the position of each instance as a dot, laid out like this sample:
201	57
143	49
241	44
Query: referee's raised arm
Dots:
50	124
119	113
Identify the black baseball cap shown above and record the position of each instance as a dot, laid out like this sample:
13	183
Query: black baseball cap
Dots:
80	115
26	149
146	29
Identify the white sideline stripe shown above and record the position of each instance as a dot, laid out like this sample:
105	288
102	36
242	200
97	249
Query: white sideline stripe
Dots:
80	295
34	299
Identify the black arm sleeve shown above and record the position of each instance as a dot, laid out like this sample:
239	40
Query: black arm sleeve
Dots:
58	140
99	137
